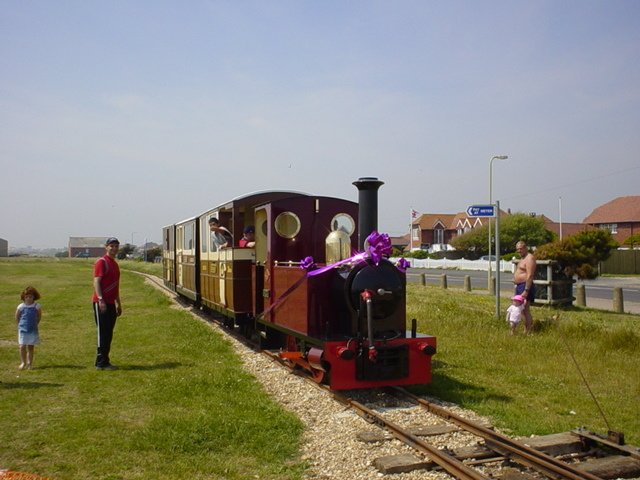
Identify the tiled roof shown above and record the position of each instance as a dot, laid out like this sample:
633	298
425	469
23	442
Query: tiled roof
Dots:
620	210
429	221
400	241
568	229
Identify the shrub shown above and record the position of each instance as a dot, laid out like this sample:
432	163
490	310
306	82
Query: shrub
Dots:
633	240
579	254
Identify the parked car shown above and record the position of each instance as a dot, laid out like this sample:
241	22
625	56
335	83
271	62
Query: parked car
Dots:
82	255
491	258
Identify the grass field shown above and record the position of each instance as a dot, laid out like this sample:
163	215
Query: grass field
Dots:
179	409
530	384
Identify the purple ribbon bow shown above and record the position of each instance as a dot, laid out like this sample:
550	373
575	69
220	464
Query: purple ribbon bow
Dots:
403	264
379	246
307	264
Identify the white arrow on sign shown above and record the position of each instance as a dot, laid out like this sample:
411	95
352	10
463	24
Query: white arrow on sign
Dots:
481	211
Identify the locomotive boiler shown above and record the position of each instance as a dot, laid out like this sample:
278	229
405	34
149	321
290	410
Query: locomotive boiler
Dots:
318	285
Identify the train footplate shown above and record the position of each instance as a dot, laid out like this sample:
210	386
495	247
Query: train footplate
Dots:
391	362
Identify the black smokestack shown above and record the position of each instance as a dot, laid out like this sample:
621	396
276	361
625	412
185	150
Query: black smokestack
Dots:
368	211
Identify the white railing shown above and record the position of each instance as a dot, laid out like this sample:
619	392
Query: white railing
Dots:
461	264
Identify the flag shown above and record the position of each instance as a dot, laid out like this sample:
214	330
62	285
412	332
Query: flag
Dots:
414	214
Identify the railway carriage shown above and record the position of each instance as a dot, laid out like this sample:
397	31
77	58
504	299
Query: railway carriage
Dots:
308	288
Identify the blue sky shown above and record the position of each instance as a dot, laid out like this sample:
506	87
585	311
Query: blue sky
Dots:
120	117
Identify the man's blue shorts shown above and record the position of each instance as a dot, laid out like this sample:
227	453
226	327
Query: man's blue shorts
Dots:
531	296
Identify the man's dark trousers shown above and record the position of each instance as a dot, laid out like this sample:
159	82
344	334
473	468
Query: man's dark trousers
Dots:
105	323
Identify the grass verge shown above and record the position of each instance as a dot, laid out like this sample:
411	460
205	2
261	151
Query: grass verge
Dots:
530	384
178	407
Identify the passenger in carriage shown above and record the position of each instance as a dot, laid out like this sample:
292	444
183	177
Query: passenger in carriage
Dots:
248	239
220	236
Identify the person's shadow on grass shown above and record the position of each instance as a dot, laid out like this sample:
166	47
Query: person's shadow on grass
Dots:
158	366
28	385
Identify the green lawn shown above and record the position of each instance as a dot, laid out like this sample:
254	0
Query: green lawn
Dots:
531	384
177	408
180	409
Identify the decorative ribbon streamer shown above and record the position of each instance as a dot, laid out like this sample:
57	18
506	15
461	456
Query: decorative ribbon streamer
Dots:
378	246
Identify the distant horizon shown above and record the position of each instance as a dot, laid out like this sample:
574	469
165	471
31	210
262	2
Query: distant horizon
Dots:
123	242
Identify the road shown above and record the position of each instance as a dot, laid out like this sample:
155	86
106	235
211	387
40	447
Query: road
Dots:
599	289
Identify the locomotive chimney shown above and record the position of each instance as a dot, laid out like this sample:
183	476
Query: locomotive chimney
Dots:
368	210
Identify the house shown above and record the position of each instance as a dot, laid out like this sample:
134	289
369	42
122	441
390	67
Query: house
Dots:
401	243
431	229
620	216
434	231
4	248
86	247
565	230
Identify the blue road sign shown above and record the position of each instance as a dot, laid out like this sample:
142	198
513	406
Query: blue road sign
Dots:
481	211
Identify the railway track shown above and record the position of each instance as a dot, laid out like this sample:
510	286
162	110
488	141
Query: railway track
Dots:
603	458
488	454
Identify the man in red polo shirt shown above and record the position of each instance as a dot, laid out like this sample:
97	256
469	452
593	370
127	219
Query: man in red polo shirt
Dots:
106	301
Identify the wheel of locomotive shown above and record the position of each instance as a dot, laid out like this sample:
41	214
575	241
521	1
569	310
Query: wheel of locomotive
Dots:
319	375
292	344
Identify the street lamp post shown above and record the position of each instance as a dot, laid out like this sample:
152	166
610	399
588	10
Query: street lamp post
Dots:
495	157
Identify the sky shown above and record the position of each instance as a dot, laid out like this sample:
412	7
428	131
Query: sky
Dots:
121	117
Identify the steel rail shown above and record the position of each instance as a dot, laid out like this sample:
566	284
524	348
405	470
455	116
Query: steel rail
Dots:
504	445
448	462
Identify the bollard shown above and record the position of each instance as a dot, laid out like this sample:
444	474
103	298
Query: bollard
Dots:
618	301
443	281
423	279
492	290
581	297
467	283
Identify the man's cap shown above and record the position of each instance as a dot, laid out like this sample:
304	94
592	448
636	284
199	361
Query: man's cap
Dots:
112	240
518	298
249	229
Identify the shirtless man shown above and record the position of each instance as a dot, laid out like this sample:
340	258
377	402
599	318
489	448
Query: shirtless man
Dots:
523	279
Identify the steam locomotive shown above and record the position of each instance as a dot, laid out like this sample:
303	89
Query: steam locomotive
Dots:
317	286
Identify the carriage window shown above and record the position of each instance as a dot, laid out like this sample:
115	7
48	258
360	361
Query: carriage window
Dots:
343	222
287	224
188	236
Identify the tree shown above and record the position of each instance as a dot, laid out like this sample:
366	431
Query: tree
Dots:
513	228
633	240
579	254
126	249
527	228
152	253
474	243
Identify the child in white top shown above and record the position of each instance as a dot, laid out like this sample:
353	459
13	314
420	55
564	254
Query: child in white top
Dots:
28	315
514	312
